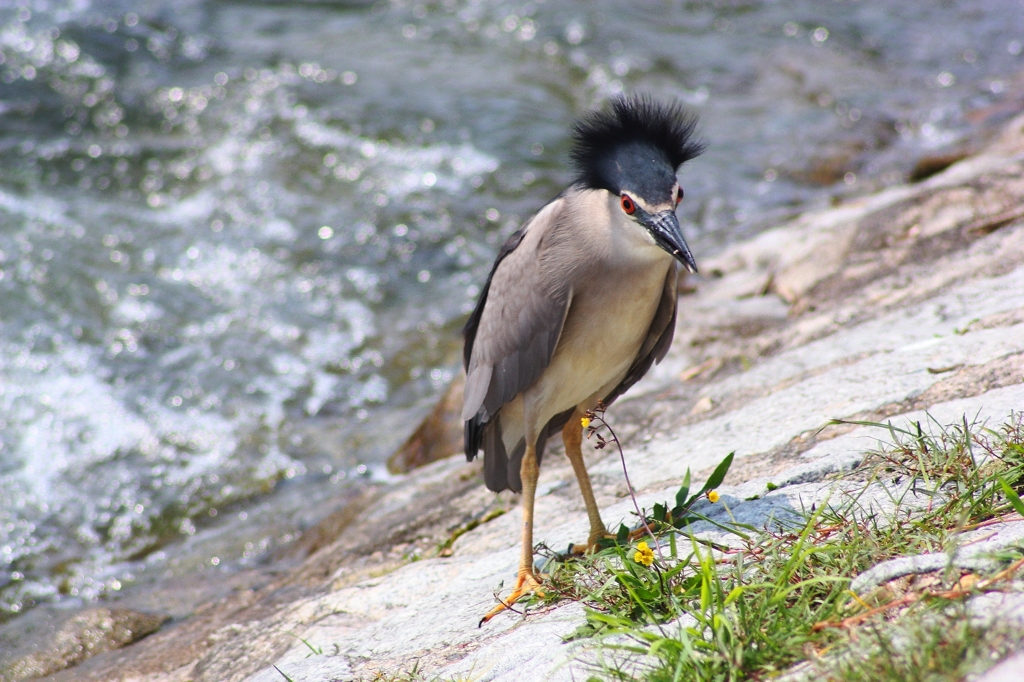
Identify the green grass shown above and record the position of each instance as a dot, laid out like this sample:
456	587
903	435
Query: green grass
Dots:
933	646
779	596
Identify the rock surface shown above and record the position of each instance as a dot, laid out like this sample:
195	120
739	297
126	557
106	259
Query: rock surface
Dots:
906	301
70	638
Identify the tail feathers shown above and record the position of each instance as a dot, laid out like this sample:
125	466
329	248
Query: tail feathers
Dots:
501	470
472	431
495	458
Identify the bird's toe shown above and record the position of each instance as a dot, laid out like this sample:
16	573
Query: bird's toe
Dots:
593	544
527	583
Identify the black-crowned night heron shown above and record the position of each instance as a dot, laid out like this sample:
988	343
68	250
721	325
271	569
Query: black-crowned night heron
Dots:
580	302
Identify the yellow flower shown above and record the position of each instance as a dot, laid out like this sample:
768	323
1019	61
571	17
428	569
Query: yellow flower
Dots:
644	554
713	496
585	422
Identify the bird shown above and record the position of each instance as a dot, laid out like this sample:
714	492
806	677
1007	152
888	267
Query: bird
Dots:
580	302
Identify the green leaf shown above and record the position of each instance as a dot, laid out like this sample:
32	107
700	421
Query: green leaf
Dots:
684	491
628	580
623	535
659	512
734	594
681	520
730	527
1013	498
718	475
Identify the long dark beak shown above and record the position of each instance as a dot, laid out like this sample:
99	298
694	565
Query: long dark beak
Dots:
664	227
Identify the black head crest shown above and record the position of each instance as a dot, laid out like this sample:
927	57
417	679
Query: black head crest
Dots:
634	140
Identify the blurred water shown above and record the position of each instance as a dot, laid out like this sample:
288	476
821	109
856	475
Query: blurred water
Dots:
237	239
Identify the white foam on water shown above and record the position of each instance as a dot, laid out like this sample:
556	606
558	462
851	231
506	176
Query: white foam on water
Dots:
402	170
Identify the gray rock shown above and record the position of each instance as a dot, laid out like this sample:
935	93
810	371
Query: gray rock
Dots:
1009	670
76	636
975	557
315	668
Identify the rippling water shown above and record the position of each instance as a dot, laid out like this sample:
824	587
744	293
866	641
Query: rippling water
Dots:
237	239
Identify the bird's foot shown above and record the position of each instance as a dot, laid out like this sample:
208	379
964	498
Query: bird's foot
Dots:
591	546
526	583
637	533
595	544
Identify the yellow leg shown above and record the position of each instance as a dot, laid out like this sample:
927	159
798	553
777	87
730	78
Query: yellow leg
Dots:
572	436
527	581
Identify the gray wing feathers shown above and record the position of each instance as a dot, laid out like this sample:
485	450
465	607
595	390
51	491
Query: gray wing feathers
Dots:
519	327
520	368
475	391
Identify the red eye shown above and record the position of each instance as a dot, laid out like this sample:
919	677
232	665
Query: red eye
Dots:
679	197
627	205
